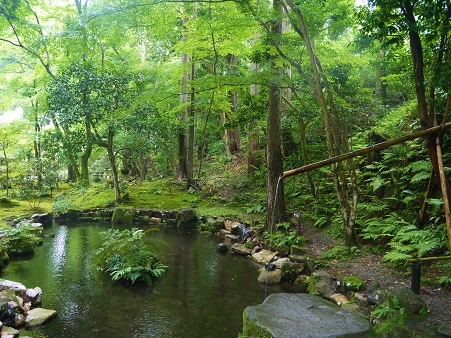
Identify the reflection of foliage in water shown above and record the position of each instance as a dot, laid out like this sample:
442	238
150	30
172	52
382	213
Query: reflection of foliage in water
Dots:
127	257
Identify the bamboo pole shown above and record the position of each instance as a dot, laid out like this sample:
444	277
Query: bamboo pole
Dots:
428	259
444	186
363	151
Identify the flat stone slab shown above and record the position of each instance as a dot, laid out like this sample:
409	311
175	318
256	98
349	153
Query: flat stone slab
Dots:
38	316
300	315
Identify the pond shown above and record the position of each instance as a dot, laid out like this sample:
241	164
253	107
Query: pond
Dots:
203	294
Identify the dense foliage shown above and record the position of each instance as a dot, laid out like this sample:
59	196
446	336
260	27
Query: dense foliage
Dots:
219	98
17	241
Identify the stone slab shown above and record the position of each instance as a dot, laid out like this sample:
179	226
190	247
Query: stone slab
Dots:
298	315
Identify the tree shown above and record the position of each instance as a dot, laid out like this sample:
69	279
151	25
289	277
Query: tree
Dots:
426	26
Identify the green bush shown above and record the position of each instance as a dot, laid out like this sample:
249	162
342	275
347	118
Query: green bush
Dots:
283	237
127	257
19	241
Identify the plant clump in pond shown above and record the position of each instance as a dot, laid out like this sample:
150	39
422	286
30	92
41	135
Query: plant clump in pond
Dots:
18	241
126	256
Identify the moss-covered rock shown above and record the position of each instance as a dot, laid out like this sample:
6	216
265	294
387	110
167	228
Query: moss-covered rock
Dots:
123	216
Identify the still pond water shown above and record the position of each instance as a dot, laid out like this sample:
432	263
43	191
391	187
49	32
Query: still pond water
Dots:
203	294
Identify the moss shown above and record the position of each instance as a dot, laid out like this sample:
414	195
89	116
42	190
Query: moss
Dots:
251	330
354	283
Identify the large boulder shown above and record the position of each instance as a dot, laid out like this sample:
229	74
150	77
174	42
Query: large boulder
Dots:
291	315
403	297
186	220
45	219
123	216
18	288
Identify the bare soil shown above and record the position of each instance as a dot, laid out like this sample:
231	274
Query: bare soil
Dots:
378	274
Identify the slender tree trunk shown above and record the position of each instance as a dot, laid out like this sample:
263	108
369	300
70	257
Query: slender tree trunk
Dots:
275	203
182	139
191	124
3	145
112	160
253	135
231	135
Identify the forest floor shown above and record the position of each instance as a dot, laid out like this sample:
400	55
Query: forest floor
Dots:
380	275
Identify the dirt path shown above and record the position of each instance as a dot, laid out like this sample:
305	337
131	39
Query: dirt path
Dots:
378	274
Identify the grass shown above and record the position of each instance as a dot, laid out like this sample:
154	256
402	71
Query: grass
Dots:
11	207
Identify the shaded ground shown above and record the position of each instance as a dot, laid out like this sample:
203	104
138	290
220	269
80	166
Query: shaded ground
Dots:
377	274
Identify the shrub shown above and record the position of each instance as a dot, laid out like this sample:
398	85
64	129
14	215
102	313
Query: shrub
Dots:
283	237
127	257
19	241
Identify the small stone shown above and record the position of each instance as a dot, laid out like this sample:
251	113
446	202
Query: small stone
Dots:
222	248
35	296
361	299
9	332
241	249
270	277
339	299
264	256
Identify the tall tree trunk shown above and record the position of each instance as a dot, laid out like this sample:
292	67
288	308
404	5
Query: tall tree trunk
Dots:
182	139
275	203
231	135
112	160
381	71
191	124
253	135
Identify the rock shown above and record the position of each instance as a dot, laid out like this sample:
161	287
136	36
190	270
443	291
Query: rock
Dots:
302	282
297	258
264	256
7	332
444	331
339	299
224	232
154	220
297	250
222	248
186	220
301	316
233	238
361	299
35	296
323	284
241	249
19	320
45	218
18	288
405	298
228	224
38	316
279	262
291	271
270	277
123	216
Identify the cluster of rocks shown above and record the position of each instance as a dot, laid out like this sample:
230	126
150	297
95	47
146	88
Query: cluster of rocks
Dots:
185	219
35	220
301	272
20	307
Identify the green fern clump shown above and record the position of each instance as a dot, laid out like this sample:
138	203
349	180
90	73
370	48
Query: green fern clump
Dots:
412	242
127	257
341	252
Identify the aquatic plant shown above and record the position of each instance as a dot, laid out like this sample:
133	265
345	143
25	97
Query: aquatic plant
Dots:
126	256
